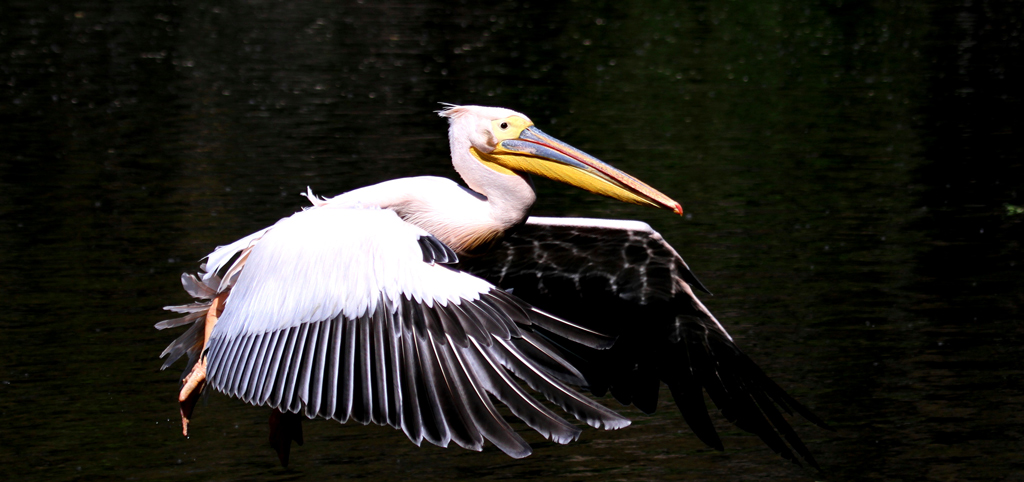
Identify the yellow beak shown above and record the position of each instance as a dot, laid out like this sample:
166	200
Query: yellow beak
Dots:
538	153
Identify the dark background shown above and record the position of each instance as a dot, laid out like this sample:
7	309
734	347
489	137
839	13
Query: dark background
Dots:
851	172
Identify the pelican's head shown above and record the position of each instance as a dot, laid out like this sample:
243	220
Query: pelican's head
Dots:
508	143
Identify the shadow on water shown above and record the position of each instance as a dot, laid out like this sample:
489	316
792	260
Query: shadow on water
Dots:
851	173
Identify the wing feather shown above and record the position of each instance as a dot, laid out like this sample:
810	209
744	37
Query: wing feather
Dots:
453	330
306	368
475	313
363	371
485	416
275	369
411	416
191	317
255	382
466	434
392	378
333	360
280	378
378	377
538	417
539	350
346	384
267	377
189	343
581	407
236	371
317	367
473	328
291	377
435	421
620	278
328	319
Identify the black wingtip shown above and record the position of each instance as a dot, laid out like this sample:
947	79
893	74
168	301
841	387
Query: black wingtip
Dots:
692	280
434	251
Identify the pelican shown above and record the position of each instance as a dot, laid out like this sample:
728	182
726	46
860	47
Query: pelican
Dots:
418	302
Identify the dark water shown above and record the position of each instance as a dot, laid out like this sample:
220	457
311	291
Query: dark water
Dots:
852	174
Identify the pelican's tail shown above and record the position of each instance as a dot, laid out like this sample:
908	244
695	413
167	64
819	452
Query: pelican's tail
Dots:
192	341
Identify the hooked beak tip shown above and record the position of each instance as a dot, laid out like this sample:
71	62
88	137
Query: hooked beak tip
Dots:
678	209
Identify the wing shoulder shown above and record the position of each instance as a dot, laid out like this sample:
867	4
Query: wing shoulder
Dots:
327	261
627	259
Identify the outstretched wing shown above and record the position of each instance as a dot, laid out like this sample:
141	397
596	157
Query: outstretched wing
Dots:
345	313
622	279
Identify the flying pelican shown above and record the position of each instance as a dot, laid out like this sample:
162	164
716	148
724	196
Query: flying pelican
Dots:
359	308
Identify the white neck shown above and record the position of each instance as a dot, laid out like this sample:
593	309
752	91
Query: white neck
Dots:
462	218
510	196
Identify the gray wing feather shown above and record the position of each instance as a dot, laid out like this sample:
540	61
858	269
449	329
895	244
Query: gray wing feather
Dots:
377	376
346	382
425	362
524	406
319	365
307	369
414	375
622	279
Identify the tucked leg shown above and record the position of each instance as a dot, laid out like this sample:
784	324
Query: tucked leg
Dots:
193	384
284	428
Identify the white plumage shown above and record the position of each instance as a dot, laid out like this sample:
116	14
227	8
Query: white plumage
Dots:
354	308
328	261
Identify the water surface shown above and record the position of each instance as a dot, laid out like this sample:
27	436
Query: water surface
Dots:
851	174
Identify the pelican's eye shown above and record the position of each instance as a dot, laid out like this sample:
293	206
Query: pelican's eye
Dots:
508	128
